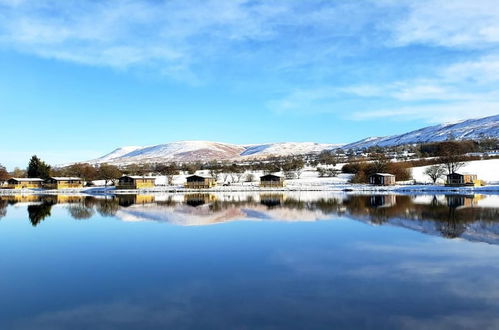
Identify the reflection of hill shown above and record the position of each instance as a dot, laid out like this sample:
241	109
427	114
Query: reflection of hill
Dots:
187	215
447	216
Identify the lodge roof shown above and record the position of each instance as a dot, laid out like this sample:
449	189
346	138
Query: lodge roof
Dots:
383	174
271	176
27	179
137	177
64	178
460	174
199	176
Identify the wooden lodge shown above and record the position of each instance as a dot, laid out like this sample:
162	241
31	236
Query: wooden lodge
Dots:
463	180
200	182
63	183
382	179
24	183
271	181
136	182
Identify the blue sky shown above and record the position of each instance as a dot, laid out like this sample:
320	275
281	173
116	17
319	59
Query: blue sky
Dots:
80	78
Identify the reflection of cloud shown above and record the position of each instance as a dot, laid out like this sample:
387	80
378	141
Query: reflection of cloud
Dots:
168	309
475	320
455	269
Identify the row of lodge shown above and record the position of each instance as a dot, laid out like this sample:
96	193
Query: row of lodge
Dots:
130	182
453	180
204	182
276	181
192	182
50	183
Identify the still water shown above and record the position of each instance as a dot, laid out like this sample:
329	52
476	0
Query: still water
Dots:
248	261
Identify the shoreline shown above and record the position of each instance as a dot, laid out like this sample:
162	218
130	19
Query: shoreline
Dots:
344	188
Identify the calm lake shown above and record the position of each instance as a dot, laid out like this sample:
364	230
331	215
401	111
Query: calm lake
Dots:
249	261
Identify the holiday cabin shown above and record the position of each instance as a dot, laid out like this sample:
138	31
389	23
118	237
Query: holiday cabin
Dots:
382	179
24	183
460	180
271	181
63	183
136	182
200	182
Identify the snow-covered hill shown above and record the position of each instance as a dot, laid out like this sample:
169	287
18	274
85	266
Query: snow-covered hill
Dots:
185	151
464	130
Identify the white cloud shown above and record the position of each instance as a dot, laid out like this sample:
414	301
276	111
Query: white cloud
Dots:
484	70
457	23
173	33
433	113
457	91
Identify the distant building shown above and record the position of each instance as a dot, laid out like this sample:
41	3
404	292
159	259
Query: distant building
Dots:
271	181
200	182
63	183
136	182
24	183
459	180
382	179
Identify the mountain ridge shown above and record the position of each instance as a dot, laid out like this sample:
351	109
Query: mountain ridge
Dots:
186	151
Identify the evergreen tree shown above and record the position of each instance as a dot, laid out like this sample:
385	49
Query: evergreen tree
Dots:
4	175
38	168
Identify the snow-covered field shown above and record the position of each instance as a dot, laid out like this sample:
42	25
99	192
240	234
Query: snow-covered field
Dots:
486	170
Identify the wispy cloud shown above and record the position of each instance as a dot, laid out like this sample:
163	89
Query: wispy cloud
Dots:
173	35
453	92
299	45
458	23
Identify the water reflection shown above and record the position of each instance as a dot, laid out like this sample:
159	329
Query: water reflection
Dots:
95	273
449	216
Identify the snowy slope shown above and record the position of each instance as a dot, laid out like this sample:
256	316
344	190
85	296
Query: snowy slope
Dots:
286	148
120	152
180	151
464	130
185	151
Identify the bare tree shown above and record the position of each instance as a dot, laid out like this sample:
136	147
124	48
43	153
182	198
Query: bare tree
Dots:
435	172
169	171
214	173
452	155
250	177
108	172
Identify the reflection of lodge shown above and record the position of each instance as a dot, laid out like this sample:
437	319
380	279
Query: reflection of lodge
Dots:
455	201
195	200
271	181
199	182
21	198
131	199
459	180
24	183
383	200
272	200
136	182
63	183
67	199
